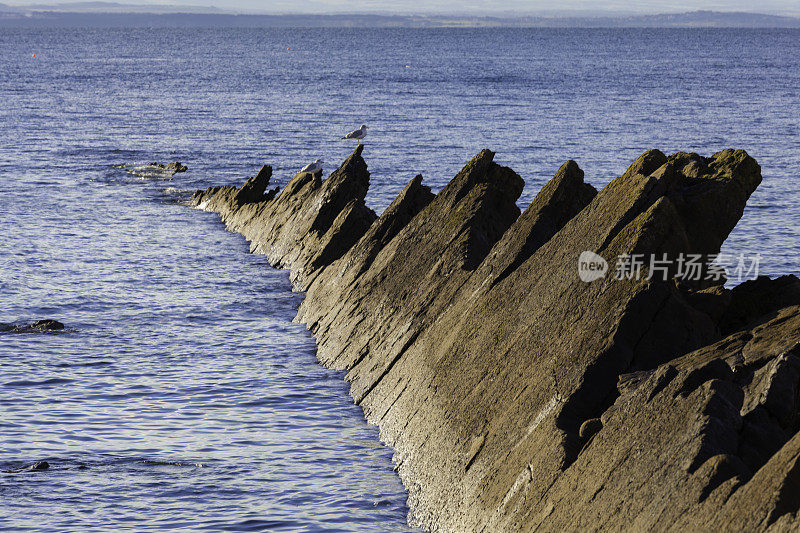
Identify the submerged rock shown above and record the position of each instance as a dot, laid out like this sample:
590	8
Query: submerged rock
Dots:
38	326
46	325
156	170
519	397
41	465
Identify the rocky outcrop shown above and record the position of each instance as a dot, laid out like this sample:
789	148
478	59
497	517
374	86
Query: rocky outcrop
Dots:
305	226
176	167
519	397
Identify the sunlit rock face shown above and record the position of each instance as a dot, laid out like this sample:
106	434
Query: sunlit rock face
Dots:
519	396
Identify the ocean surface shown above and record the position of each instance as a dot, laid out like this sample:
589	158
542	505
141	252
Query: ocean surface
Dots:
181	397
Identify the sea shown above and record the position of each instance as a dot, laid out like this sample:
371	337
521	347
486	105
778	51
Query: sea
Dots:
180	396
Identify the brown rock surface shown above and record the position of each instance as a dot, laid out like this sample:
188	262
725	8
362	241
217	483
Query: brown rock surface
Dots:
519	397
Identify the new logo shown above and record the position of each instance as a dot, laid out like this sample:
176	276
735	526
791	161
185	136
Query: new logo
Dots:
591	266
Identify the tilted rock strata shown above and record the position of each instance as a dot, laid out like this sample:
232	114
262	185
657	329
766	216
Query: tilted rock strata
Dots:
519	397
306	225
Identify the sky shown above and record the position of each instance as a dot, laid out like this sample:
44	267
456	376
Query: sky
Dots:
486	7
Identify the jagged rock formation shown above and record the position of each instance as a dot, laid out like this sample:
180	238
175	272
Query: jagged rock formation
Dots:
519	397
305	226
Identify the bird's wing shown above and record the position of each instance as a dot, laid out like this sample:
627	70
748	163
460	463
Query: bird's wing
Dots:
352	134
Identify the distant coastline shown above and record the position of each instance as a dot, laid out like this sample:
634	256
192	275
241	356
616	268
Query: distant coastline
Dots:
114	15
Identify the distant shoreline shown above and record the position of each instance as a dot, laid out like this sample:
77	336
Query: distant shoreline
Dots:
16	17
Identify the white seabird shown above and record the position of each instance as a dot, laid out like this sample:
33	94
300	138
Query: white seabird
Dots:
358	134
314	167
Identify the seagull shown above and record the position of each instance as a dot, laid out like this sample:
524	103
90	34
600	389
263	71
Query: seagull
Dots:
314	167
358	134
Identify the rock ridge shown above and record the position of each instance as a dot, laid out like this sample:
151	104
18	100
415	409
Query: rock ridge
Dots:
518	397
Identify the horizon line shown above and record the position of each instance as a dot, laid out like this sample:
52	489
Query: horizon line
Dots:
96	7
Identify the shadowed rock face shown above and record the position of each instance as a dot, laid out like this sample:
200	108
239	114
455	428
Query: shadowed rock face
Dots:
309	224
255	189
518	396
558	201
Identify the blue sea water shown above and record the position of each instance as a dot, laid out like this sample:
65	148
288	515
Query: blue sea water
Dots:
181	396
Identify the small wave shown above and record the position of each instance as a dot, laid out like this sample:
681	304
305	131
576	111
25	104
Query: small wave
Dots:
150	173
79	438
148	170
87	364
174	195
266	525
28	383
156	462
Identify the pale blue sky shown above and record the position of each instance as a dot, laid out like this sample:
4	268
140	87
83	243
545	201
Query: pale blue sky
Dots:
782	7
